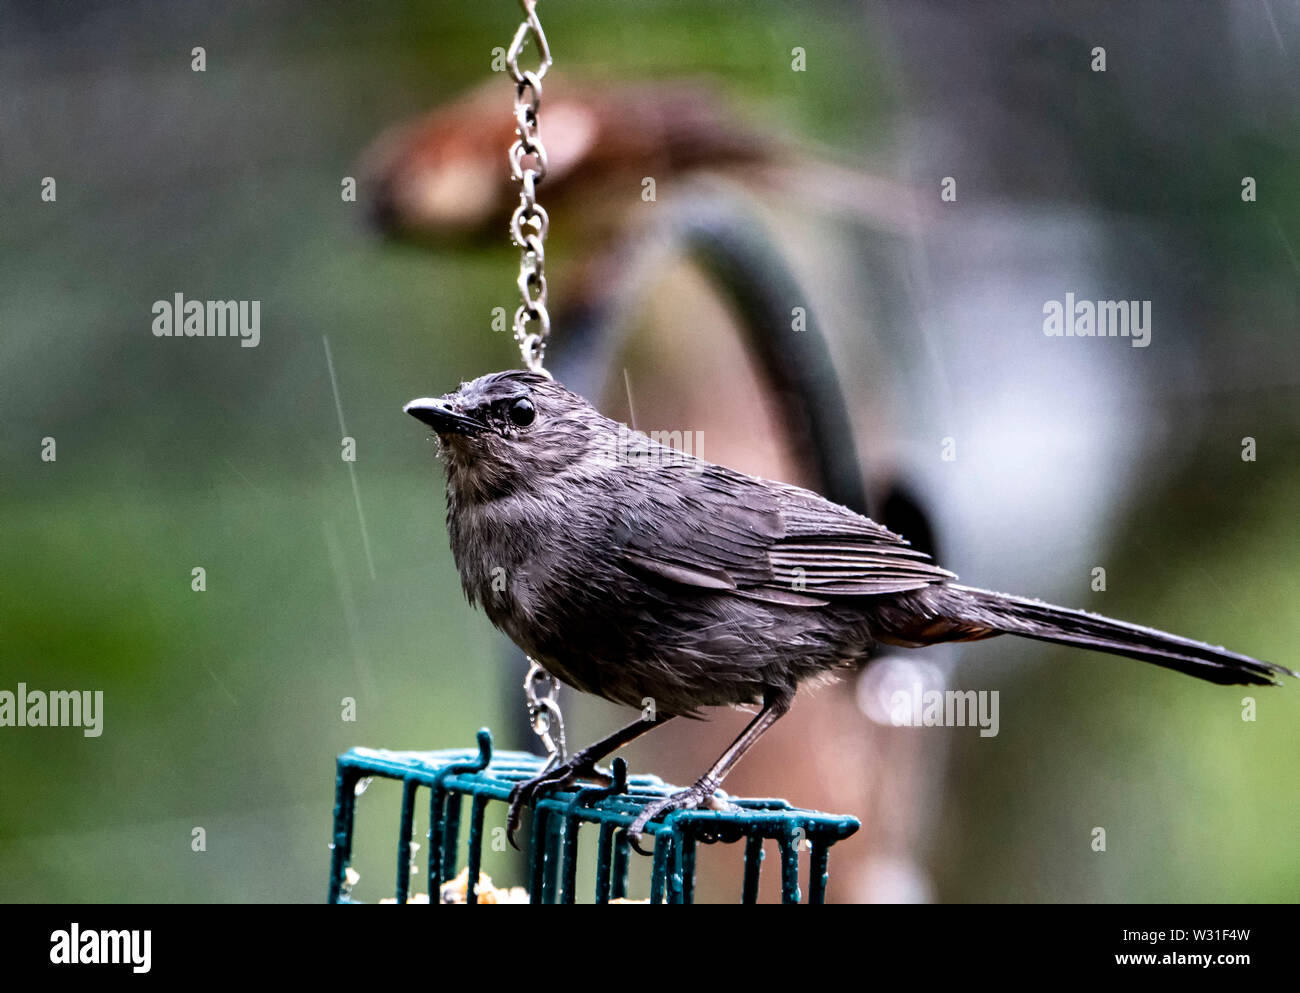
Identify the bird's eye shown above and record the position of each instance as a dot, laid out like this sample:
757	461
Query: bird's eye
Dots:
522	412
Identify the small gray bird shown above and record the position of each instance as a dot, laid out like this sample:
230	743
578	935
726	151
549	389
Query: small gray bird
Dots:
632	570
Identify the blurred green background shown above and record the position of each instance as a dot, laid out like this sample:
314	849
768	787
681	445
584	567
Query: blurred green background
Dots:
223	708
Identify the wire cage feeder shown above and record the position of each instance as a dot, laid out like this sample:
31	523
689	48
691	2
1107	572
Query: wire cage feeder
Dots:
553	839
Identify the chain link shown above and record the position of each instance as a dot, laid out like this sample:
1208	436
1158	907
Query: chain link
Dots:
528	226
544	711
529	223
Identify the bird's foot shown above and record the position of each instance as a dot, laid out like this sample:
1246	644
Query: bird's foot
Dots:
523	794
702	794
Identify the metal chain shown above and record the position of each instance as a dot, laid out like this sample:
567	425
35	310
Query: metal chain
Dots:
528	227
529	222
544	711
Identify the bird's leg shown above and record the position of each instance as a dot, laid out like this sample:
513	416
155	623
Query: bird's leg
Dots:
581	765
775	704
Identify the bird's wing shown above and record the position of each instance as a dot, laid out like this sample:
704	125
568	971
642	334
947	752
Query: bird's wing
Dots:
721	530
839	553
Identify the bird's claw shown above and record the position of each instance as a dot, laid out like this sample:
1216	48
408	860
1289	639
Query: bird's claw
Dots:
524	793
702	794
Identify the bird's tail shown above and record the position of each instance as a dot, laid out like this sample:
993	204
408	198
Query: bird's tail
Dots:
962	613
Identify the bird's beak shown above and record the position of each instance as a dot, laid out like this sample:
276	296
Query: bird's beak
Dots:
438	415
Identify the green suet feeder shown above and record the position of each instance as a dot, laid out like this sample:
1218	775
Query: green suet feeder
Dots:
553	849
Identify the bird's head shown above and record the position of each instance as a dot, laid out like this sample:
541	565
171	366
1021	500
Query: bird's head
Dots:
512	431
